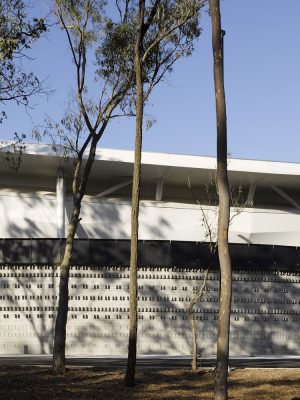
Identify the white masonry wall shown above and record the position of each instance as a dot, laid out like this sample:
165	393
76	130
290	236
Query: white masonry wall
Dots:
265	311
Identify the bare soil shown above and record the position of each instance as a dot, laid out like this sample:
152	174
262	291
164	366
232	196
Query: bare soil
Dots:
32	383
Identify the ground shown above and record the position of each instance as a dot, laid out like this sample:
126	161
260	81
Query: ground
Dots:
32	383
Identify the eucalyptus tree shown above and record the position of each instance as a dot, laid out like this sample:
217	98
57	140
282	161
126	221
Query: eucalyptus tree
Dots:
99	41
221	385
165	32
16	36
108	44
17	33
169	30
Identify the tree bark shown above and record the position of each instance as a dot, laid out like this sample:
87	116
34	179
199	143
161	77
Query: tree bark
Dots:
221	386
132	343
59	346
59	359
197	296
194	338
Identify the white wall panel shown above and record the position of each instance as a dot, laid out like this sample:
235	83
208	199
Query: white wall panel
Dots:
34	216
27	215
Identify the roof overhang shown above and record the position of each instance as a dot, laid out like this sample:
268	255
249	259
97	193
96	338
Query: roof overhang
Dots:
115	165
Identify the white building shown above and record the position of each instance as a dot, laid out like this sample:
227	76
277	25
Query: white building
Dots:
35	208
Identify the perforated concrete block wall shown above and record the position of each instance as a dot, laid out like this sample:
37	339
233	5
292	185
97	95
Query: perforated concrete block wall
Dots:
265	311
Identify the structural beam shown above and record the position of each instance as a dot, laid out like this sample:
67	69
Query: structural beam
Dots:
114	188
60	204
251	193
159	189
286	197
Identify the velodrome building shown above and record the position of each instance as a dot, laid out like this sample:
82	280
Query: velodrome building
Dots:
177	206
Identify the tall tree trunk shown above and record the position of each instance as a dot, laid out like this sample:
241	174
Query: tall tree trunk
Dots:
194	337
132	343
221	387
79	189
59	359
197	296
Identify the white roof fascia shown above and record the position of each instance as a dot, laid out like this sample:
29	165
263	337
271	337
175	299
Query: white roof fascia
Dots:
178	160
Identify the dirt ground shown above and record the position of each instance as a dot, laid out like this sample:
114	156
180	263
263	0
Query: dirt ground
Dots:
32	383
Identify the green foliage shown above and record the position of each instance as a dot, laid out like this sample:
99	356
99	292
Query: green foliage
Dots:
65	136
16	36
170	30
171	27
16	32
170	35
116	53
82	19
11	152
149	123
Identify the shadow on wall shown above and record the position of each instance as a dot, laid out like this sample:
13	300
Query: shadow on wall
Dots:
98	323
102	219
33	304
265	300
30	277
265	315
35	217
27	216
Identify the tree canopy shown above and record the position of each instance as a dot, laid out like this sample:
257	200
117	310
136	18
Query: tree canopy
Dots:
16	35
103	46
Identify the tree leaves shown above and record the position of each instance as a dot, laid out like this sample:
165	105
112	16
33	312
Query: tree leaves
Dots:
16	32
16	35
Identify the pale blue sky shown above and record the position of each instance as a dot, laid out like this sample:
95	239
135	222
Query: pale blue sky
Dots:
262	82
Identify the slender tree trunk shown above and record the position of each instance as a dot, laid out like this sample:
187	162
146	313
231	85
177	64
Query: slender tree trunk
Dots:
221	387
194	337
59	359
79	189
197	296
195	346
132	343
